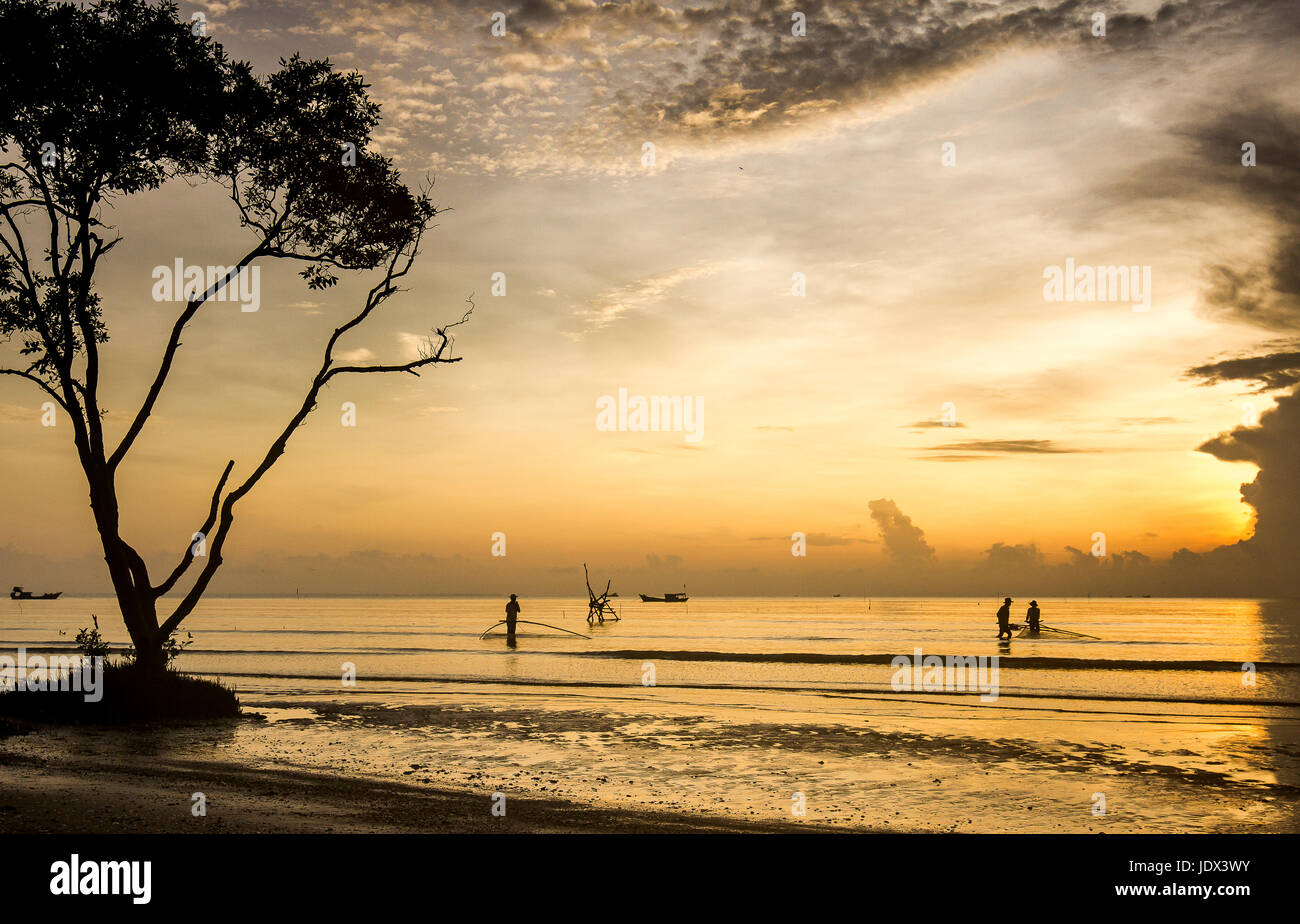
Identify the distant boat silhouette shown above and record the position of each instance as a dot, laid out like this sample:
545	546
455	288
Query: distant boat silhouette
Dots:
19	594
666	598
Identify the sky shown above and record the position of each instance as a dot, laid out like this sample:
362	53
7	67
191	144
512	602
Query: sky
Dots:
832	247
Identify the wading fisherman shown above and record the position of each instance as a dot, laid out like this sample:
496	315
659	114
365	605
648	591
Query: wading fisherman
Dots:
1032	615
1004	619
512	616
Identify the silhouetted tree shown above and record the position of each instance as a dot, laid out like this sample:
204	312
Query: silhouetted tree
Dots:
119	97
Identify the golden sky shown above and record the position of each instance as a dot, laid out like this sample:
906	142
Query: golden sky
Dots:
774	155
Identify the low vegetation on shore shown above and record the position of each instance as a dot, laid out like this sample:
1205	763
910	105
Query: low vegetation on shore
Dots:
92	688
129	694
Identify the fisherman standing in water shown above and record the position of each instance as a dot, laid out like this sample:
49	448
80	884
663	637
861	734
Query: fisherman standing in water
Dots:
1032	615
1004	619
512	616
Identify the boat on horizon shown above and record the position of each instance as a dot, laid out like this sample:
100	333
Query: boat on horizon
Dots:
666	598
19	594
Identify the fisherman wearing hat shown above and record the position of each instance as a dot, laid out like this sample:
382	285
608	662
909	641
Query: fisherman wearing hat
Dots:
512	616
1004	619
1032	616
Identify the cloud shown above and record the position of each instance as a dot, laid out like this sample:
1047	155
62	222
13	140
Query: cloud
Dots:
742	70
1275	492
1032	447
1148	421
1003	557
904	542
1268	371
1081	559
1265	561
928	424
578	86
818	539
673	449
1130	559
953	457
1266	293
642	295
410	345
15	413
1263	290
827	539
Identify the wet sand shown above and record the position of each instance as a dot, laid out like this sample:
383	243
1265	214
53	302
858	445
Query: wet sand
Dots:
642	763
111	781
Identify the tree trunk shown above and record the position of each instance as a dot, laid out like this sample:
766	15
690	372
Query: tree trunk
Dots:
149	654
130	576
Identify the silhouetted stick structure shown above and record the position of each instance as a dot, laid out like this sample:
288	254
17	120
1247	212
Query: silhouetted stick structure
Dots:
598	606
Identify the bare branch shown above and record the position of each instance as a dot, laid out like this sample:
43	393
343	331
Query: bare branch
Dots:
169	354
206	528
398	266
45	386
403	367
60	209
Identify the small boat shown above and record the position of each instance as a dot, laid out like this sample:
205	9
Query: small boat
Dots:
19	594
666	598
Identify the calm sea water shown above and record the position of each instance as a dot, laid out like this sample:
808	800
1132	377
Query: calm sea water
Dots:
1170	650
1189	707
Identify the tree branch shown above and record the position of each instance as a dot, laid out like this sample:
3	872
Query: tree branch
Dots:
188	558
45	386
398	266
169	354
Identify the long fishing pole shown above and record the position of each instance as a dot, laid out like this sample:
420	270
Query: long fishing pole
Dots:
1068	632
529	623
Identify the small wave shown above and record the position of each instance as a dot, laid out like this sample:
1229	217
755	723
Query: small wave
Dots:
871	692
52	649
1033	663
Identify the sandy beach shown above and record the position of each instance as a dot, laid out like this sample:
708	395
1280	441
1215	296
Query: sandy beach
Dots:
105	781
576	763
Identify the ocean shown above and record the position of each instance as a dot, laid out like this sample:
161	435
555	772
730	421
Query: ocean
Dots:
1183	715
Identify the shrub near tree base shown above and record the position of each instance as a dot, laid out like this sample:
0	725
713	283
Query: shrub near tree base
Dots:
8	728
130	695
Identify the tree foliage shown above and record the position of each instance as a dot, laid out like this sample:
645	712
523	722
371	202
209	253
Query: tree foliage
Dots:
120	97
